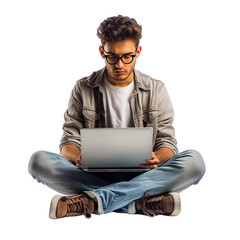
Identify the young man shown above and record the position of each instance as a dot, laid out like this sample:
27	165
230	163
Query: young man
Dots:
118	96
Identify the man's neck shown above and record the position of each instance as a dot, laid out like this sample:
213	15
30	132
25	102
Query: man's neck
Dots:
121	83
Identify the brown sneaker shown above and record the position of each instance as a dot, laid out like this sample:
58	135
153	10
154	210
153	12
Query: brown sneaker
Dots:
67	206
167	204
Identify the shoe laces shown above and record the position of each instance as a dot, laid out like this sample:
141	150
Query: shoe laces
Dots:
77	205
151	206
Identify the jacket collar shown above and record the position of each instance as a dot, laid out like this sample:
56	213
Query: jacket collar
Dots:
97	79
141	80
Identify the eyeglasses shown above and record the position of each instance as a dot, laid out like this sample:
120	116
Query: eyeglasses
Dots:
113	59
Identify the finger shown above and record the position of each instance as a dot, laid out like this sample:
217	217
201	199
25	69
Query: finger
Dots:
153	161
150	166
79	164
153	155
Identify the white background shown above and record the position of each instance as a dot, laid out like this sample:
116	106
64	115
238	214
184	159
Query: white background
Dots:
192	46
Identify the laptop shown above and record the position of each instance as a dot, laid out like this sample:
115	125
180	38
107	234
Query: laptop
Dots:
115	149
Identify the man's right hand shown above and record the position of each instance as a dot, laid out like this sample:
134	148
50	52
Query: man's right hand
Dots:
73	154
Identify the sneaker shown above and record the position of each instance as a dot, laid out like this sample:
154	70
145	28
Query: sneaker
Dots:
67	206
167	204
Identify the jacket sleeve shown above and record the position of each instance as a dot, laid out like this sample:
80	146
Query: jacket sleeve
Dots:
73	119
165	131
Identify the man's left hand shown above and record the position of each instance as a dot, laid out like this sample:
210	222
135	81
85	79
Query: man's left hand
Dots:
153	163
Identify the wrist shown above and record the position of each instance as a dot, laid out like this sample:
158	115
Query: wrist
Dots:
163	154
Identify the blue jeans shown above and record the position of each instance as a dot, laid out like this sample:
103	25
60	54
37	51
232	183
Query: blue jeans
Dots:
117	191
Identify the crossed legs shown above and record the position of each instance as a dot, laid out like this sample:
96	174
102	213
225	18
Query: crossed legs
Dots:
117	191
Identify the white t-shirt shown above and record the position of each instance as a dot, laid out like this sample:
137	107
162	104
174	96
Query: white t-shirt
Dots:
117	105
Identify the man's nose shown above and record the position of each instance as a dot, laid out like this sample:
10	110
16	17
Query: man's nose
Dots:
119	63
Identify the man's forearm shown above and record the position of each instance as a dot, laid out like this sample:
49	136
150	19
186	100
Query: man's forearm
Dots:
71	152
163	154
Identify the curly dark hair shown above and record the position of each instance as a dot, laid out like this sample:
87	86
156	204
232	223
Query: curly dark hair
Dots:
119	28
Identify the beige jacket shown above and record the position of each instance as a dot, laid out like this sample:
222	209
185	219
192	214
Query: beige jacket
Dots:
150	105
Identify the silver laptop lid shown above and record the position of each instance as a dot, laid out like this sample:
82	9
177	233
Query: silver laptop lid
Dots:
115	149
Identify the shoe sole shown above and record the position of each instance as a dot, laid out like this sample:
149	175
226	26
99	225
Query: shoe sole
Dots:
53	206
177	203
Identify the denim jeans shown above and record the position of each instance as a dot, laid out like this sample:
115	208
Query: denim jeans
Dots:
117	191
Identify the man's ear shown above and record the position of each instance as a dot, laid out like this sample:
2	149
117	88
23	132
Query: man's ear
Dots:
101	51
139	50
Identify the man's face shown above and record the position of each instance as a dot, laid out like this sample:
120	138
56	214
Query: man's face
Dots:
120	74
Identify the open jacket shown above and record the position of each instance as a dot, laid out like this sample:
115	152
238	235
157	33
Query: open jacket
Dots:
150	105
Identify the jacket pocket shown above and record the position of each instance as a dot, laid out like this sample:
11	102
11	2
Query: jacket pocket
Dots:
150	118
90	117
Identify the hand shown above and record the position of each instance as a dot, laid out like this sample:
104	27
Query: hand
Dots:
79	162
153	163
73	154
